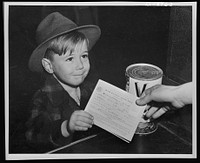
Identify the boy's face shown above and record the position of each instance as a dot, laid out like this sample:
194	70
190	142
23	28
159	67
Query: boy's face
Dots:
71	69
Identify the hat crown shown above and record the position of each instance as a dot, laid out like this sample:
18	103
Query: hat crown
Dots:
52	25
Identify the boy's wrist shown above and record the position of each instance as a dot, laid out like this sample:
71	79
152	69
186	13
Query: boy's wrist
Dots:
68	128
64	129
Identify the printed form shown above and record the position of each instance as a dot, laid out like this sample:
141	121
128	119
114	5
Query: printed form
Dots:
114	110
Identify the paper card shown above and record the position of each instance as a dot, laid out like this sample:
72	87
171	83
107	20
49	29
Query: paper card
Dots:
114	110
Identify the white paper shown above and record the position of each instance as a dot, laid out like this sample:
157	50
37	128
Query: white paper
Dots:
114	110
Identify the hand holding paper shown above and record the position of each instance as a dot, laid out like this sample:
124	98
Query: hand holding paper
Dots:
114	110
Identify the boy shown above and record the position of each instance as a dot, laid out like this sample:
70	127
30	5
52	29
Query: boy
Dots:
57	108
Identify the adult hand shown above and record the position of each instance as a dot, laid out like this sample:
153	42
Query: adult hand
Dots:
168	97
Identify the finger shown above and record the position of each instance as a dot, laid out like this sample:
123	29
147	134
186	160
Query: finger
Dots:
147	107
143	100
85	114
85	119
146	110
151	111
83	124
147	95
160	112
79	128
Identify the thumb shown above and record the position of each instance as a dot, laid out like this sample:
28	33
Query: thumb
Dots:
143	100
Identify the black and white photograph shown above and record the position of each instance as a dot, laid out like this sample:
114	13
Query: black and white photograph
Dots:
93	80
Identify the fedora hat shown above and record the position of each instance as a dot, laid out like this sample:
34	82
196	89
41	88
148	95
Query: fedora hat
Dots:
52	26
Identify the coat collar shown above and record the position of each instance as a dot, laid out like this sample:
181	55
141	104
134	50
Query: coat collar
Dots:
57	95
55	91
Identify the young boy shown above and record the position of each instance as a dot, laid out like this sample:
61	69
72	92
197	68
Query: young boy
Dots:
57	108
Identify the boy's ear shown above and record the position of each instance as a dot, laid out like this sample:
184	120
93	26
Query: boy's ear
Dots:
46	63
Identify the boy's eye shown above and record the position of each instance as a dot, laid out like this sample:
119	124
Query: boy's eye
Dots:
69	59
85	56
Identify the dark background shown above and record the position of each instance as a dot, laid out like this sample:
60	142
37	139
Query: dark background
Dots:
130	34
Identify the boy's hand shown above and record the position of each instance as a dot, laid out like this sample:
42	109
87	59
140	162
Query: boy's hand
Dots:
80	121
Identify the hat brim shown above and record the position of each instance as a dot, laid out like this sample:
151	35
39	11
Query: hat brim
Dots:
92	33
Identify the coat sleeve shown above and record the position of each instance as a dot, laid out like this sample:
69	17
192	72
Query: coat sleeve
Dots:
43	133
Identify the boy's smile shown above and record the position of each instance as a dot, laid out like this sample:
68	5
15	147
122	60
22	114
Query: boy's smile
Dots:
72	68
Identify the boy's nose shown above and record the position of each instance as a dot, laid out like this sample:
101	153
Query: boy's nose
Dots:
79	64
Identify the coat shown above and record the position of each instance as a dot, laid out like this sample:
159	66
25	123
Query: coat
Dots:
50	106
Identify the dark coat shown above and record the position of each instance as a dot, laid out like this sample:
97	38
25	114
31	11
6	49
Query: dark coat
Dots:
50	106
